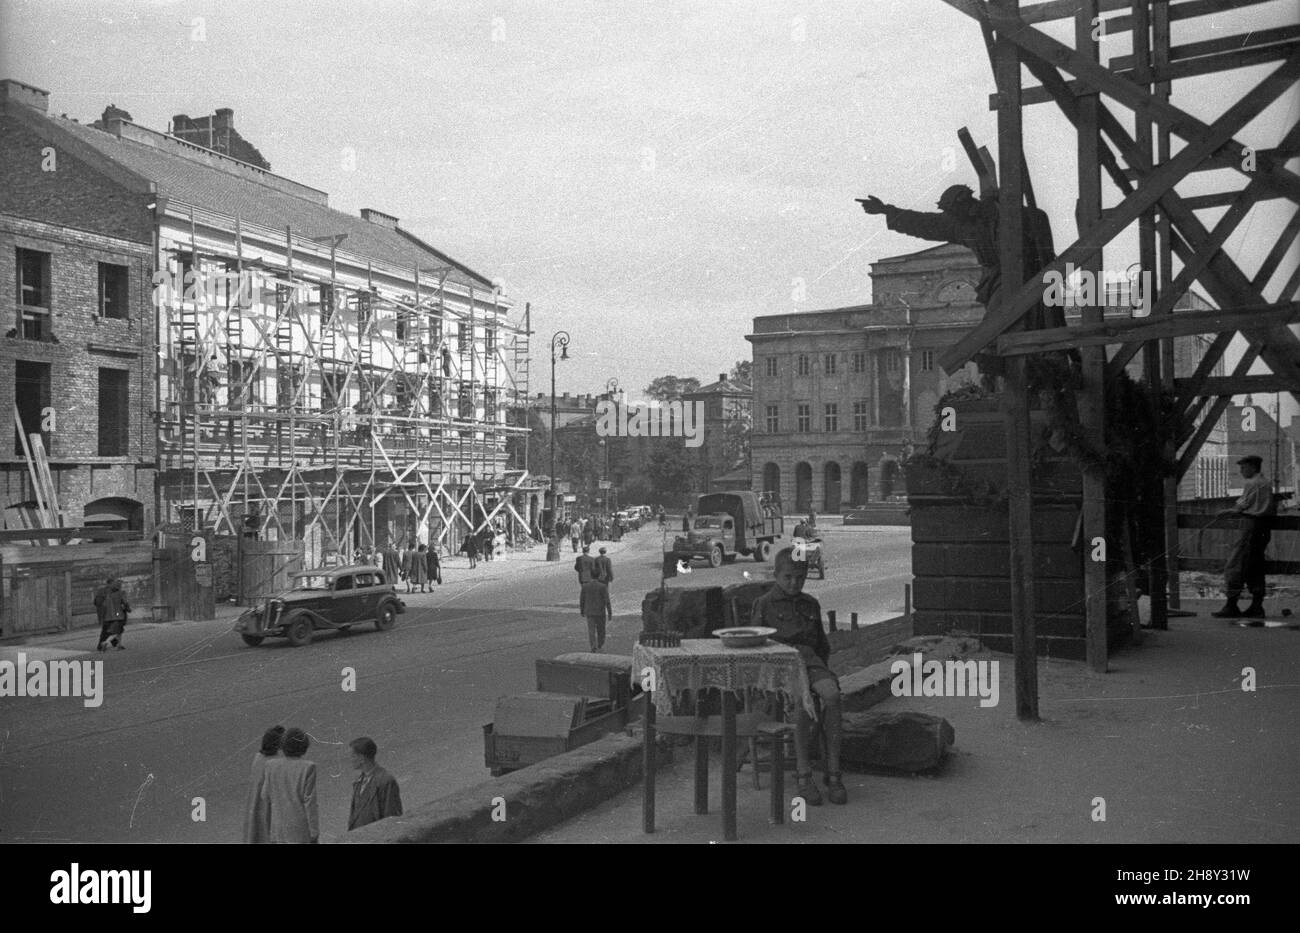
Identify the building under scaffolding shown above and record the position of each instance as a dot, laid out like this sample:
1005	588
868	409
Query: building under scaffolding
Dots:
322	377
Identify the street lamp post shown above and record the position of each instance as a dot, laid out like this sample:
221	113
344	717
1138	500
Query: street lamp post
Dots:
611	390
559	339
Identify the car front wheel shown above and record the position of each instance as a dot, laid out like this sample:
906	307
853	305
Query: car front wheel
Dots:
387	617
299	631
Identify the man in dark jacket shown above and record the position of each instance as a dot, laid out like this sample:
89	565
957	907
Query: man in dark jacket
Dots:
595	607
605	567
111	607
375	795
585	565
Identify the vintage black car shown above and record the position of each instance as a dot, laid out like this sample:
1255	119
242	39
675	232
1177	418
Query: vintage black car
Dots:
335	598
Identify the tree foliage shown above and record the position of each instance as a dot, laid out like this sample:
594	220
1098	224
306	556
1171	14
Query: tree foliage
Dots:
669	388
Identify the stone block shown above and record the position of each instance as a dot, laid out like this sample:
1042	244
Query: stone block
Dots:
895	740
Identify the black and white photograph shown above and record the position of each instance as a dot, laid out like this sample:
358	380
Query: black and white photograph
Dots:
655	422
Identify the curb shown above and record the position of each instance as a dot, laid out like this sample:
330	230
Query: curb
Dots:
517	805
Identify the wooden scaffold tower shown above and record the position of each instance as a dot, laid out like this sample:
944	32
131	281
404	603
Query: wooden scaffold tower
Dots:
1177	248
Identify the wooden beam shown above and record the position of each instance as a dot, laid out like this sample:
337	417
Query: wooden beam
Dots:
1119	331
1143	103
1194	68
1092	400
1201	202
1241	42
1015	395
1202	432
1065	9
1216	386
1160	181
1277	253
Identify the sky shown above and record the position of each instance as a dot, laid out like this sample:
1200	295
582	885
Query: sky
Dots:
649	175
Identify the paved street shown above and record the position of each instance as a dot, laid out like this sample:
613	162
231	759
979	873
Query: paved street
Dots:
186	704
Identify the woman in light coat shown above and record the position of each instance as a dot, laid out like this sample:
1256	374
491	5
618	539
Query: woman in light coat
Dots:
289	790
257	818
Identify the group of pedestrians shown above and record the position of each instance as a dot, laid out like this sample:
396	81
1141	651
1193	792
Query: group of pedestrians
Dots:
487	542
418	565
282	796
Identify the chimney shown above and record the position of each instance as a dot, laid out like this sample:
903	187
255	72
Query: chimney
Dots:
225	119
722	377
25	94
379	218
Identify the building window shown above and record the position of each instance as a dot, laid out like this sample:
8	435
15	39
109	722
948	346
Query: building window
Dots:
244	387
333	391
803	365
31	396
773	419
113	291
114	412
832	416
893	360
927	361
489	342
861	416
803	418
828	362
404	320
772	367
364	312
33	280
462	335
859	361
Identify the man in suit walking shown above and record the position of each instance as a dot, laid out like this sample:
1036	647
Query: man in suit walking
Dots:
586	566
375	795
605	567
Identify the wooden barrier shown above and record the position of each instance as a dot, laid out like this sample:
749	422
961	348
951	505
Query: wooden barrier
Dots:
51	588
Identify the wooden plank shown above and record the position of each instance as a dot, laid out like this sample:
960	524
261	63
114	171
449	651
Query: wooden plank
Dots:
1015	396
1064	9
1281	247
1091	401
1272	568
1213	321
1215	386
1202	520
1240	42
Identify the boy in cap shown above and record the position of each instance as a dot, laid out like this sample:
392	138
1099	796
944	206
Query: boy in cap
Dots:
1245	568
797	618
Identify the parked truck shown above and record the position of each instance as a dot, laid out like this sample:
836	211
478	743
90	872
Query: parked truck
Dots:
731	523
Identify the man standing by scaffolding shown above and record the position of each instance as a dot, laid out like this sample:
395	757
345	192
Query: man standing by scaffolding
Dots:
1245	569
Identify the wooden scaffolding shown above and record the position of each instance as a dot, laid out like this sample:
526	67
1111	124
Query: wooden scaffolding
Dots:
1176	247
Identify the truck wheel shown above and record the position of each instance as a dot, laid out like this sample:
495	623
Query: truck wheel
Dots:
715	556
763	551
252	640
299	631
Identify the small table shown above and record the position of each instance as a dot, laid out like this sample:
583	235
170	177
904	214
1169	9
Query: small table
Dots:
703	664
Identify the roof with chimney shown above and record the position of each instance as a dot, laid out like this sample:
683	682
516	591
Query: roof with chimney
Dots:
724	386
194	175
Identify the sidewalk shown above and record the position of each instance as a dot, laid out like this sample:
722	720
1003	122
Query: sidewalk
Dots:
1168	740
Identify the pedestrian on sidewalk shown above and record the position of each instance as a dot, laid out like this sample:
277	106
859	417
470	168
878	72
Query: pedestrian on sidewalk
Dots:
585	565
688	520
1245	568
595	606
797	618
257	817
111	607
485	542
433	565
469	547
605	568
392	563
375	795
420	568
289	791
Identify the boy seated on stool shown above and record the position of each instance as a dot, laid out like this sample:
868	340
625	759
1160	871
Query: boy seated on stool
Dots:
797	618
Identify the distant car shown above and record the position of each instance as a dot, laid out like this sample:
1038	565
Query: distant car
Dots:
336	598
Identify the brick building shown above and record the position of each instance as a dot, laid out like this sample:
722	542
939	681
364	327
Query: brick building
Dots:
841	395
287	370
77	360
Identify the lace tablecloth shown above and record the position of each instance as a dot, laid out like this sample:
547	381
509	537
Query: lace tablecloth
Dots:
703	664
